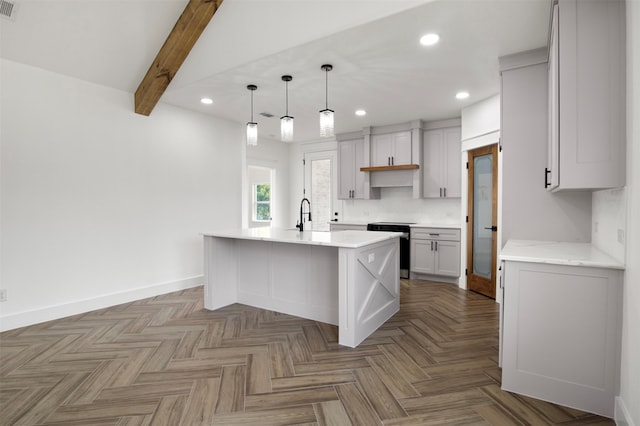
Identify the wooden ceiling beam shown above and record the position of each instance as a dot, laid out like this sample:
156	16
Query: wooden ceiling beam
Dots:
192	22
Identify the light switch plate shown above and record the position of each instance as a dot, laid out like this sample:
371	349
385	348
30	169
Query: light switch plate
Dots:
372	257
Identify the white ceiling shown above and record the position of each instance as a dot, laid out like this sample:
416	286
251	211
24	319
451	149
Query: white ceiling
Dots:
373	46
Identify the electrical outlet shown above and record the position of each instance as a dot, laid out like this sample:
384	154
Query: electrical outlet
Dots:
595	227
621	236
3	295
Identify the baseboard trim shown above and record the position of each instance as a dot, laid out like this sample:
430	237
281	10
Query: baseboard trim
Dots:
49	313
621	415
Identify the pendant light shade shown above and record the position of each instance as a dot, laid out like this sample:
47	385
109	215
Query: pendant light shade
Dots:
286	121
326	115
252	127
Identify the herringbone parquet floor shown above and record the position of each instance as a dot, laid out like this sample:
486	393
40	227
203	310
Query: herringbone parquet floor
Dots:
168	361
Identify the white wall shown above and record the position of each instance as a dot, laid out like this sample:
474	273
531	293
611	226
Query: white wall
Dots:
609	222
629	400
529	211
481	123
101	205
275	155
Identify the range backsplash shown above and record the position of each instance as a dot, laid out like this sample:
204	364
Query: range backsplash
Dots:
397	204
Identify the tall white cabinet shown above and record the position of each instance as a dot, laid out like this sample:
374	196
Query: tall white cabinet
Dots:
586	70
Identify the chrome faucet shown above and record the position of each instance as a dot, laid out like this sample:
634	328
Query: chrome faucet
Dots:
300	224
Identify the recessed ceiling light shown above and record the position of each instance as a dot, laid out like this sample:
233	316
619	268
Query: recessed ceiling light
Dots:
206	101
462	95
361	112
429	39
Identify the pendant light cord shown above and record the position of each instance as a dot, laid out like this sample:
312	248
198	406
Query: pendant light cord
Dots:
326	88
286	88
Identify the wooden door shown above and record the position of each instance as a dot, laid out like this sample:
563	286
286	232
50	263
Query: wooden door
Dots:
482	224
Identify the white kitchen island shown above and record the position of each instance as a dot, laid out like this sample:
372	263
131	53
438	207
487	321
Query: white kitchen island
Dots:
347	278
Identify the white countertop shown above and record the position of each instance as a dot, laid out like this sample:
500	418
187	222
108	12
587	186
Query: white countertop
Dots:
436	225
558	253
347	239
413	225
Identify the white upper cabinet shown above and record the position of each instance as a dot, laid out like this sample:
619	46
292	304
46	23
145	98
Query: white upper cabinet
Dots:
586	144
392	149
441	163
352	183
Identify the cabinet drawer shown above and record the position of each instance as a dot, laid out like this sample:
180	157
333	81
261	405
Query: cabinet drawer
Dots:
443	234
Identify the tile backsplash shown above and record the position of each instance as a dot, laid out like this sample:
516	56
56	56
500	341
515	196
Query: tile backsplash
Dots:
397	204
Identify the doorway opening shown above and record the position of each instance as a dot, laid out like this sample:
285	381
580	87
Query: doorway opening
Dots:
320	187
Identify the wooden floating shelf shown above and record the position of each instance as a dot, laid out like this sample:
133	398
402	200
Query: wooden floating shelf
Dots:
384	168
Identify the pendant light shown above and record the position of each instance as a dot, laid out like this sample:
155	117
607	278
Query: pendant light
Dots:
286	121
252	127
326	115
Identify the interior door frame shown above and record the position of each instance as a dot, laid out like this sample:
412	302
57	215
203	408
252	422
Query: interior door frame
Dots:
481	284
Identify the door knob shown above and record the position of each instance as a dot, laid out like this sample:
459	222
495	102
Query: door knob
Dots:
493	228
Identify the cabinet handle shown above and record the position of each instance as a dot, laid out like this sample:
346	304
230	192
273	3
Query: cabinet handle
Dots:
440	192
547	172
436	245
431	245
393	161
445	192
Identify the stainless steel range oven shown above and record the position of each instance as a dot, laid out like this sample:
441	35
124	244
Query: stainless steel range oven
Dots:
405	246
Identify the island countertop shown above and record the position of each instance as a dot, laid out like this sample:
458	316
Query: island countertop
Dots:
558	253
347	239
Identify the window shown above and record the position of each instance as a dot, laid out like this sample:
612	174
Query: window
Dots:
262	202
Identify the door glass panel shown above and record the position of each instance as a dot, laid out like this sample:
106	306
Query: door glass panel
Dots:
321	194
482	213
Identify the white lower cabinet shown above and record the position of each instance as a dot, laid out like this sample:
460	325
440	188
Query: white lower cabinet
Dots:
435	251
561	334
